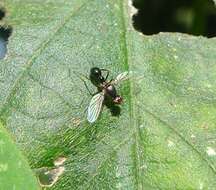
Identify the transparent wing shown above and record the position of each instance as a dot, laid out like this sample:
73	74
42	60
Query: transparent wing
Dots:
121	77
95	107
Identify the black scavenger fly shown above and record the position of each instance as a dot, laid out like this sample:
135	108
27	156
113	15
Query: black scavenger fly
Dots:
106	90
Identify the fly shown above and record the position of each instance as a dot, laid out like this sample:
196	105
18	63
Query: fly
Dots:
106	90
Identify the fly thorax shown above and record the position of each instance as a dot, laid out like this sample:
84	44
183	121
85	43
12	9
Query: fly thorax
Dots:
97	81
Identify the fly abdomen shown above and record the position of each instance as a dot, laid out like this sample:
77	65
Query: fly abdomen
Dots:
111	91
118	100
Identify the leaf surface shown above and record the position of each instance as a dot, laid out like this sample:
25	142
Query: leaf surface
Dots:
164	137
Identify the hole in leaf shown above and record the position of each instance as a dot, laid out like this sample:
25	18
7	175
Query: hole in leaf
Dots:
5	32
197	17
48	176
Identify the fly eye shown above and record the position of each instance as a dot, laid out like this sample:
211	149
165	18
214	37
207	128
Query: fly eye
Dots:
97	72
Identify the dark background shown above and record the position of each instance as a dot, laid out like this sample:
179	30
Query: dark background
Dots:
197	17
5	32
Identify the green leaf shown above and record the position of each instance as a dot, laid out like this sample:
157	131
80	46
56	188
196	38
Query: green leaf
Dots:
14	170
165	135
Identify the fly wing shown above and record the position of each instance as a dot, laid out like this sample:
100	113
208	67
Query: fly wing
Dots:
95	107
121	77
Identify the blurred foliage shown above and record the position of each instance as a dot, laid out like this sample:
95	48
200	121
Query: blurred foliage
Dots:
14	170
196	17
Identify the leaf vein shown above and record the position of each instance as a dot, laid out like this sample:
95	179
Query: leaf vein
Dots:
132	114
30	62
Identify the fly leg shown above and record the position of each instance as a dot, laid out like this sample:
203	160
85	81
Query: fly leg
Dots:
107	74
89	91
92	94
111	81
